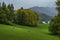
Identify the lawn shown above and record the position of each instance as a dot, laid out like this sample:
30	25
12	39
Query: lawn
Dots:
26	33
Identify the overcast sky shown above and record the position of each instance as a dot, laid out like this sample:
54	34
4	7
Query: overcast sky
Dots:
30	3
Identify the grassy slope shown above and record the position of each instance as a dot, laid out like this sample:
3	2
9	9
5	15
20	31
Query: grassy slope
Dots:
25	33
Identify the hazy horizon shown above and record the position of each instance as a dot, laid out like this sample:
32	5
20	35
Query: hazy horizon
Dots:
28	3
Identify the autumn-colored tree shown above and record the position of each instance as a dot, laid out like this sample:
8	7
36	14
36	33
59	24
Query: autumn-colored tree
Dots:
26	17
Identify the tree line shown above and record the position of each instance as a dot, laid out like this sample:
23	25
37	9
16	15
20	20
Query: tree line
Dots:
20	16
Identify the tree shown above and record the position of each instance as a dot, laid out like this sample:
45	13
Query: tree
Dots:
0	5
2	12
5	14
19	17
26	17
11	14
3	6
21	8
55	22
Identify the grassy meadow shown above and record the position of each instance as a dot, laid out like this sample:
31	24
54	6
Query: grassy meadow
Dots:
26	33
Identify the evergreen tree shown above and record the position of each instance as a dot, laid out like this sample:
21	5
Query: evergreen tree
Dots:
4	14
9	6
12	9
3	6
21	8
55	22
11	15
0	5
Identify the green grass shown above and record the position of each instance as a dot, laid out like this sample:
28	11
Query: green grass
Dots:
26	33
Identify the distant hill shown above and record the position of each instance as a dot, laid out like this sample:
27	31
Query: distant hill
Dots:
45	17
45	13
50	11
